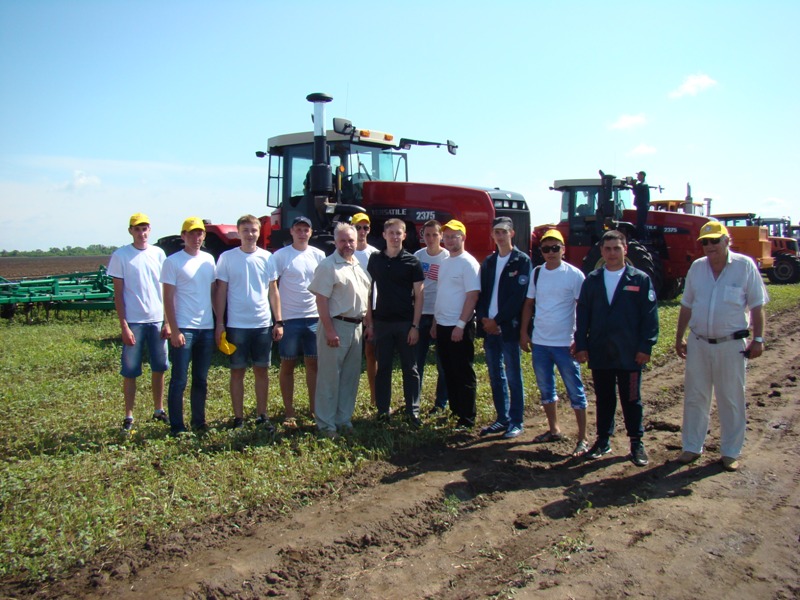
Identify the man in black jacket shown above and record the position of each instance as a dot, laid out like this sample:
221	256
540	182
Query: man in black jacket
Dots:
616	329
641	199
504	284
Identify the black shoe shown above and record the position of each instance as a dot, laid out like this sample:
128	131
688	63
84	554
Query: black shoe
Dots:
263	421
414	421
161	415
639	456
238	423
127	425
436	410
384	417
598	449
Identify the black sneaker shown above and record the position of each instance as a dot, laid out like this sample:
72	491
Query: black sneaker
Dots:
127	425
263	421
494	428
598	449
436	410
384	417
639	456
414	421
238	423
161	415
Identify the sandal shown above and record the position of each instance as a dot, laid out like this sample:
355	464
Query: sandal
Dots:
290	423
547	436
581	449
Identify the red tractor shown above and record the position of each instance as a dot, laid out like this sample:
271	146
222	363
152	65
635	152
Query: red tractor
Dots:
589	207
328	176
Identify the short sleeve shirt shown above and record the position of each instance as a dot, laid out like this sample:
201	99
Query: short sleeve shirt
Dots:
556	293
140	271
248	276
430	268
458	275
192	277
722	306
393	281
345	285
295	268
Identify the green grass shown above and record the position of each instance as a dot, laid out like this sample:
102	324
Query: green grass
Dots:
71	486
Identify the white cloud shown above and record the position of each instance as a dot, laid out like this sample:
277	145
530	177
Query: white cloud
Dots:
693	85
642	149
628	122
79	180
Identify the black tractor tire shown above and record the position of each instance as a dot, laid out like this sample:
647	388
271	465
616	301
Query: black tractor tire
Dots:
671	288
638	256
786	270
170	244
537	258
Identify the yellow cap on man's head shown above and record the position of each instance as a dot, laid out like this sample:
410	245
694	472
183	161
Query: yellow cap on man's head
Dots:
193	223
139	219
712	230
359	217
455	226
554	234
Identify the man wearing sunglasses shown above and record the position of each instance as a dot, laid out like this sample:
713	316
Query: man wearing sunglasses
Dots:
555	291
723	298
364	250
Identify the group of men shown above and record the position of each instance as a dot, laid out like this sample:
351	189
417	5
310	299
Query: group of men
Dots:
382	303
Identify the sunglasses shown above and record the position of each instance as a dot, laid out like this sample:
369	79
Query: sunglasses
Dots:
362	227
713	241
548	249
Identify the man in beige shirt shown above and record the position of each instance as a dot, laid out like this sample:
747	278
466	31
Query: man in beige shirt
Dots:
341	287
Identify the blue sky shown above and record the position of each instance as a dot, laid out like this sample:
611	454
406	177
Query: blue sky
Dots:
113	107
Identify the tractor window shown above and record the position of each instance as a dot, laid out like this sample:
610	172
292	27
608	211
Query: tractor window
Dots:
585	204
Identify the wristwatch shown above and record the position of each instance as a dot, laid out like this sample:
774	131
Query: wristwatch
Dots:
758	339
279	323
415	326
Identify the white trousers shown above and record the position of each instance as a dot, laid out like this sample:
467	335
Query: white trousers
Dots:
721	368
338	375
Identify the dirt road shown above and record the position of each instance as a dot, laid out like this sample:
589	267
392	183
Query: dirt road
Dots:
495	518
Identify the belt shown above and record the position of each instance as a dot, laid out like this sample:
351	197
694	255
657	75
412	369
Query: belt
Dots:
736	335
348	319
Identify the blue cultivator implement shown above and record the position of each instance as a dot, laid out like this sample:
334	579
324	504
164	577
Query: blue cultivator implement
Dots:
75	291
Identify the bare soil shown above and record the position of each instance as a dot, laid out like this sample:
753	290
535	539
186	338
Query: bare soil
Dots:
17	267
485	518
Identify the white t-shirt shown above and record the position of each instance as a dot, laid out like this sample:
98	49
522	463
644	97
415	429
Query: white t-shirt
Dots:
248	277
612	279
140	271
363	255
457	276
556	293
192	277
430	267
502	261
295	268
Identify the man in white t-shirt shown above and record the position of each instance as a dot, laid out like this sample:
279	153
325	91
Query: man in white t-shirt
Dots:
431	258
188	280
454	324
135	270
555	288
247	286
363	251
295	266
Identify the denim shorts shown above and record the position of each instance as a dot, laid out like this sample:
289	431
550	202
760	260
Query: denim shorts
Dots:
299	338
545	360
145	334
253	346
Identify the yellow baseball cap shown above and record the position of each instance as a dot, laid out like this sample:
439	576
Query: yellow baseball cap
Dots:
139	219
225	346
455	226
358	217
712	230
193	223
554	234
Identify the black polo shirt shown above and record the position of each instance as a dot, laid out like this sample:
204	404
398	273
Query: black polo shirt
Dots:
393	281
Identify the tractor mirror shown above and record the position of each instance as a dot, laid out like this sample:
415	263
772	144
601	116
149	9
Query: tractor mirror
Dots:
343	126
451	147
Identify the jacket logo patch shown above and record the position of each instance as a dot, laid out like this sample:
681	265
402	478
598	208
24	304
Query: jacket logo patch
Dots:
631	288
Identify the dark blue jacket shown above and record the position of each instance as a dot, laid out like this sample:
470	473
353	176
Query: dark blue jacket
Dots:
510	292
613	334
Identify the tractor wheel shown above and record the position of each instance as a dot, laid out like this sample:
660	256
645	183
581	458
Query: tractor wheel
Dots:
638	256
170	244
7	311
786	270
671	288
537	258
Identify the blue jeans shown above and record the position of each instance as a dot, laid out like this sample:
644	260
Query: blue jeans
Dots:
146	334
505	377
423	345
545	360
299	338
199	349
